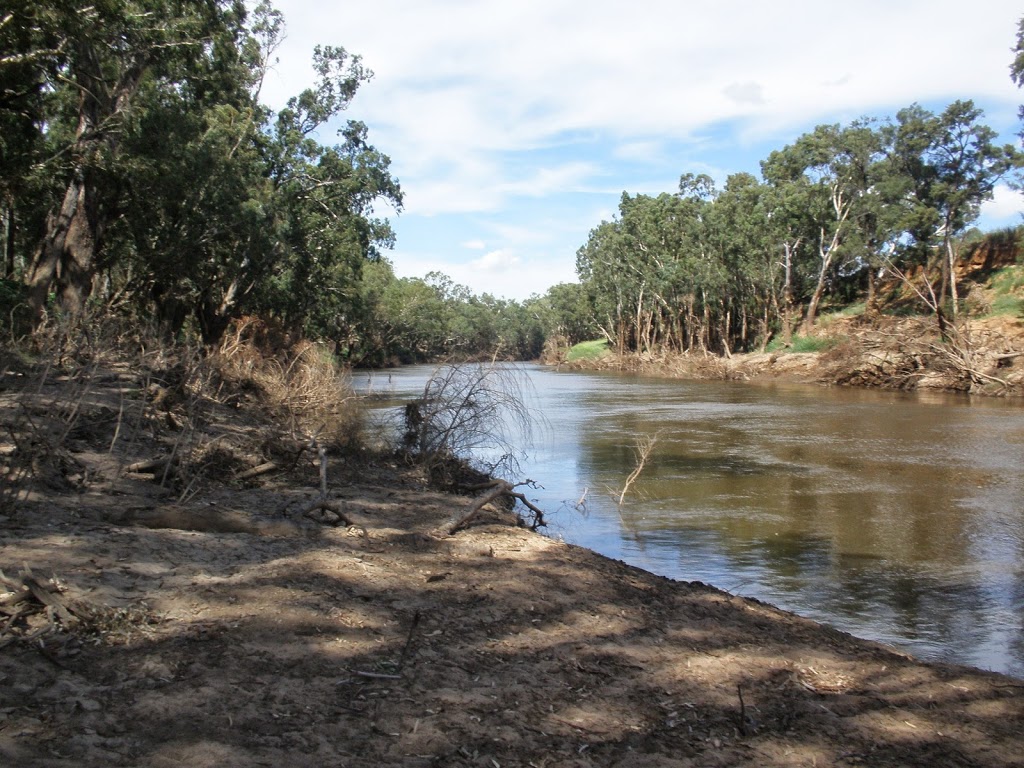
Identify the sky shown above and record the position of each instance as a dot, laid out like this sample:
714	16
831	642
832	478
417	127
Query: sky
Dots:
514	126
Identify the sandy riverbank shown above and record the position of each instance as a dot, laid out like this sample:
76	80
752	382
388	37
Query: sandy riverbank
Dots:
223	627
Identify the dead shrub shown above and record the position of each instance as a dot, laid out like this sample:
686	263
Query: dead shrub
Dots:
302	387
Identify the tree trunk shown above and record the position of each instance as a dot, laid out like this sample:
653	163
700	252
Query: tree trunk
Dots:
787	292
67	254
951	267
8	240
825	253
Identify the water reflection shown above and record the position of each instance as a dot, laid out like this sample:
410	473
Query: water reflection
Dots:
892	516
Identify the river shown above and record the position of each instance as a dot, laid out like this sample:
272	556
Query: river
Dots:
895	517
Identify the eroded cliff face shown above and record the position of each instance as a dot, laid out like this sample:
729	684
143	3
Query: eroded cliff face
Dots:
987	256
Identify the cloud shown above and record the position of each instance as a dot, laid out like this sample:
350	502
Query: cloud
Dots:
1005	207
474	245
495	262
485	106
745	93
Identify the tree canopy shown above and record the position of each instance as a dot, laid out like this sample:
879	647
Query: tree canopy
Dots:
141	173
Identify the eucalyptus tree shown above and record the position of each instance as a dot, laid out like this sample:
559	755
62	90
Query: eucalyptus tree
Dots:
196	234
941	169
831	170
565	311
599	268
739	230
324	201
29	46
103	54
1017	66
967	166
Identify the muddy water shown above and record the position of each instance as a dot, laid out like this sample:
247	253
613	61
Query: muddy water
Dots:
895	517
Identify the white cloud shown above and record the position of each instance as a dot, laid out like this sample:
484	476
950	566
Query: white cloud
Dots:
1005	207
495	262
474	245
482	105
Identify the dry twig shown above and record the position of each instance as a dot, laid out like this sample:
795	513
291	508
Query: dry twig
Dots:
642	450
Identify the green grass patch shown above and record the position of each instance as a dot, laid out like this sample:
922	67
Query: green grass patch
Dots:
1006	288
588	350
1007	280
853	310
1007	305
803	344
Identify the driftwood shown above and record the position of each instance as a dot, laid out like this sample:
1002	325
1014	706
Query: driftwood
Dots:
496	489
325	505
262	469
28	596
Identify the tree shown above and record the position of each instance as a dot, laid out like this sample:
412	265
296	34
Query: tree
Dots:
1017	66
833	167
940	171
104	53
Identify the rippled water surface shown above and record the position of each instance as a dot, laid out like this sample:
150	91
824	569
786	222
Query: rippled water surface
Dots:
896	517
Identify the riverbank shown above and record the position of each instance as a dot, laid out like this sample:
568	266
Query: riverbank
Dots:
886	352
215	622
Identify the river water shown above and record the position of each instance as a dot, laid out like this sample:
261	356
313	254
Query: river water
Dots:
892	516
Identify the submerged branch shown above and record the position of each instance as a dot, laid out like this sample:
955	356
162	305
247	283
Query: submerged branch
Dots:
642	450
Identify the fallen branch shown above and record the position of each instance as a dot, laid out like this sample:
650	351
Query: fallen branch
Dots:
262	469
334	507
30	596
148	466
498	488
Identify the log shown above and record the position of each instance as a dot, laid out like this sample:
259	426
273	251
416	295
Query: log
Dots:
256	471
148	466
498	488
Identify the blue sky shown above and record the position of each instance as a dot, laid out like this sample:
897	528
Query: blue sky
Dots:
514	126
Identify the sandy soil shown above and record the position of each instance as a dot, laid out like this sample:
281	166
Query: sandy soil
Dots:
248	634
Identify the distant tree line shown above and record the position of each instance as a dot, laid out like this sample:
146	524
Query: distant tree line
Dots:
725	270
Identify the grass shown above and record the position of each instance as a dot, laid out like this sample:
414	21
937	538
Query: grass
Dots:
588	350
1007	291
852	310
803	344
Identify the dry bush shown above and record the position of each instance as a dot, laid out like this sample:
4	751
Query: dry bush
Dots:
301	386
469	412
34	431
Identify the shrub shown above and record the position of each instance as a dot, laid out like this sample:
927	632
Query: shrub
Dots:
588	350
302	386
472	412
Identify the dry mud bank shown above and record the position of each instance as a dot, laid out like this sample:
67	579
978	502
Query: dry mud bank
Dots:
885	353
140	629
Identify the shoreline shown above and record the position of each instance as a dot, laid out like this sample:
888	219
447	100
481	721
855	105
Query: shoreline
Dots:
243	625
887	353
389	644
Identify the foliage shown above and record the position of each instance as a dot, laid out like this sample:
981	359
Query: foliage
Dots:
588	350
151	178
140	173
803	344
717	271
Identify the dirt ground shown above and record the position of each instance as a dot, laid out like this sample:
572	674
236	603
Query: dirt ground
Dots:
215	625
